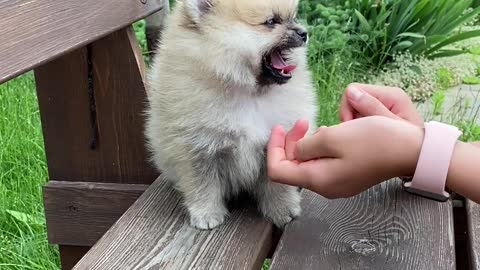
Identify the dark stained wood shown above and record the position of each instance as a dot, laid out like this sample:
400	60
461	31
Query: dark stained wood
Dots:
383	228
154	234
473	215
94	131
70	255
79	213
35	31
460	226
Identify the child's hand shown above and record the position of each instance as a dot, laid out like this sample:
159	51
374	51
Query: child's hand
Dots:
362	100
344	160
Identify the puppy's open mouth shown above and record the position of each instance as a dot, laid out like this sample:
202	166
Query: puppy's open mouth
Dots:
275	66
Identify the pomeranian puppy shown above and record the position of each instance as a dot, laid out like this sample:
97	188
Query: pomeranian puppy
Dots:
225	73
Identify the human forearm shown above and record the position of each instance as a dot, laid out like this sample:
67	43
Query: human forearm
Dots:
464	172
477	144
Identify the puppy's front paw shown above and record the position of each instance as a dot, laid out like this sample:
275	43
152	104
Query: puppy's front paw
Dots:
281	215
207	221
281	210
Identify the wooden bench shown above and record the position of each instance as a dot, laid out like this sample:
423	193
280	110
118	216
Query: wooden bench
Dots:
89	77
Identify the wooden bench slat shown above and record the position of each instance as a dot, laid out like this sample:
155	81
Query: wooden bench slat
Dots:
79	213
35	31
154	234
383	228
473	217
91	105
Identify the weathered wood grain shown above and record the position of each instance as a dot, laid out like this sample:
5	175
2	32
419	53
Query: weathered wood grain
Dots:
154	234
91	106
35	31
382	228
79	213
473	215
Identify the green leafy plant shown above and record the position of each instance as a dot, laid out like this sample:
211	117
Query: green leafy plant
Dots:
470	129
266	264
438	99
471	80
383	28
139	28
444	78
476	3
475	50
422	27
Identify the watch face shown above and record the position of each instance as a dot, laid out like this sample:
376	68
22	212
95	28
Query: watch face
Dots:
426	194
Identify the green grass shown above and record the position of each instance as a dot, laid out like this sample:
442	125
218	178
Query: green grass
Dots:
333	67
23	240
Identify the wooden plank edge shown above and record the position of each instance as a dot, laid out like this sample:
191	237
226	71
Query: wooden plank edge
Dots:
79	213
473	233
34	64
157	223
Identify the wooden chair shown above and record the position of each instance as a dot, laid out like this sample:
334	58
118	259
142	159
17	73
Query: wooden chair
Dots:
89	76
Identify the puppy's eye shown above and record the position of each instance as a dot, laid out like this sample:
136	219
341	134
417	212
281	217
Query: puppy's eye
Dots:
271	22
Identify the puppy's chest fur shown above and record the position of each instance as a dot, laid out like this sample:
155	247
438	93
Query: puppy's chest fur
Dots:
235	146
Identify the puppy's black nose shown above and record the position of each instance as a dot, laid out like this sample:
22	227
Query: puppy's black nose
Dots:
302	33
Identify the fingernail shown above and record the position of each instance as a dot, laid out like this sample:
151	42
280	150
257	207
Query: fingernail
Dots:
354	93
278	128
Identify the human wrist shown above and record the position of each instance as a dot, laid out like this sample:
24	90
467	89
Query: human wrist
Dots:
455	165
410	147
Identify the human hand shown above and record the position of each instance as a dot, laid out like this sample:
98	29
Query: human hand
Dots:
344	160
360	100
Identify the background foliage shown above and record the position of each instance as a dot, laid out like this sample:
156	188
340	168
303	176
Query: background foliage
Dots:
381	28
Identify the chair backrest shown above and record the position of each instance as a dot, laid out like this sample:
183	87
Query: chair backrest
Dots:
33	32
88	71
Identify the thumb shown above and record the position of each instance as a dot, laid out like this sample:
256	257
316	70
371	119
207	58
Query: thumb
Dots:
320	145
367	105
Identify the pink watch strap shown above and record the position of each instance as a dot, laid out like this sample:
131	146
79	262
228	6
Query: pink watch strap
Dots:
434	160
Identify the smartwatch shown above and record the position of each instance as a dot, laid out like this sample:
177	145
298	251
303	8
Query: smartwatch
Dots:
434	161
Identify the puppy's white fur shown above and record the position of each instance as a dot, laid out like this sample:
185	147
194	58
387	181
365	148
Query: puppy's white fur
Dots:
209	118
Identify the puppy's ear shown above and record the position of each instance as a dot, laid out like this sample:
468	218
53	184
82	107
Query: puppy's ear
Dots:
197	8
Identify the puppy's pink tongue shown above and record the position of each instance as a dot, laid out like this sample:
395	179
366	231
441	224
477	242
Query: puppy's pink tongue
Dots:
278	63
